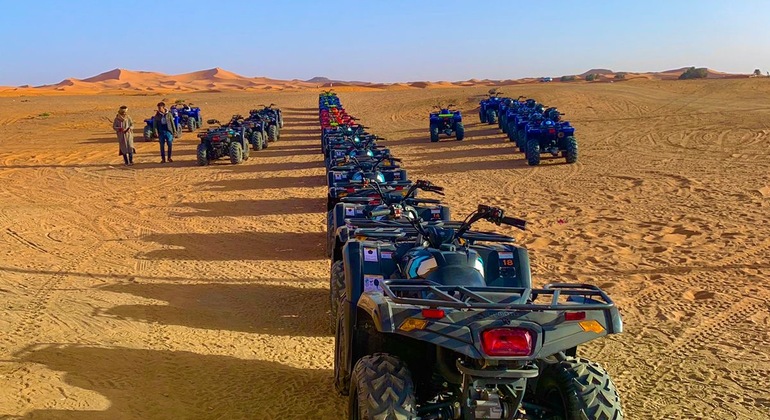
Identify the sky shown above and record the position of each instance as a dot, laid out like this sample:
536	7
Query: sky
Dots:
45	41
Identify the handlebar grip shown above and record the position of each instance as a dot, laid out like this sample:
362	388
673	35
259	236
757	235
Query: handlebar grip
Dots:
378	213
515	222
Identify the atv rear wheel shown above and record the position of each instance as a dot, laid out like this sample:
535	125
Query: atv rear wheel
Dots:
148	133
512	131
191	124
203	155
482	116
256	140
236	153
571	152
459	131
272	133
491	116
381	388
533	152
433	133
336	290
578	388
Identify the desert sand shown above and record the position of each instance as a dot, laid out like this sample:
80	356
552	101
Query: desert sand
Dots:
183	292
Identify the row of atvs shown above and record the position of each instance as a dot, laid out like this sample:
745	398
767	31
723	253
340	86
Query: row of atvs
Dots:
237	137
434	319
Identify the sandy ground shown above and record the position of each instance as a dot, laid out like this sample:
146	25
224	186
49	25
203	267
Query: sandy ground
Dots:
179	292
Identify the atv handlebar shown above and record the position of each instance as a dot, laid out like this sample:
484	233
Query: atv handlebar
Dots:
378	213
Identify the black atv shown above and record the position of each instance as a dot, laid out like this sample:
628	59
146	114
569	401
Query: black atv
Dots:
442	322
223	141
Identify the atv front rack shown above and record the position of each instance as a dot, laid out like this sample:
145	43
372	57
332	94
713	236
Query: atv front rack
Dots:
426	293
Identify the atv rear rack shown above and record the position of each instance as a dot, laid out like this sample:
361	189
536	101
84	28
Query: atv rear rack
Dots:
426	293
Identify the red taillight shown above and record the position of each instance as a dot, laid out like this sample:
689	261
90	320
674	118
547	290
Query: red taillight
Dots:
574	316
399	188
551	131
215	138
433	313
507	342
350	189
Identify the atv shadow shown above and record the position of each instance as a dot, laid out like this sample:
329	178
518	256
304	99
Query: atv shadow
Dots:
315	181
144	384
275	151
252	308
459	151
273	167
242	208
253	246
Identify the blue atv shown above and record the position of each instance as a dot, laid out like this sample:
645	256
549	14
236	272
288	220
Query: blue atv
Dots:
489	108
552	137
446	122
190	117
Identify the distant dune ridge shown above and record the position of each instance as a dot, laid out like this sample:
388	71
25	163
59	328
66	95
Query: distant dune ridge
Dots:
217	80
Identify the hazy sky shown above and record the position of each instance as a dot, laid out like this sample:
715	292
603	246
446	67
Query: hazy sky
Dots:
45	41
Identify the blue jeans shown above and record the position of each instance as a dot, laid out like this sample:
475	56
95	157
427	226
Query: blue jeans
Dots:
165	137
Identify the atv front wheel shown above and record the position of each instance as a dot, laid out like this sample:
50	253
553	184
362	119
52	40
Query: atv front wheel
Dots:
191	124
256	140
491	116
521	140
571	152
236	153
433	133
512	131
336	290
272	133
459	131
245	151
533	152
578	389
203	155
381	388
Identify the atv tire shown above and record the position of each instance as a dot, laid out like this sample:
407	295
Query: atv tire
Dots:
521	141
504	123
459	131
336	291
579	389
433	133
272	133
264	139
256	140
148	133
236	153
571	152
491	116
511	131
381	388
203	155
245	149
533	152
191	124
482	116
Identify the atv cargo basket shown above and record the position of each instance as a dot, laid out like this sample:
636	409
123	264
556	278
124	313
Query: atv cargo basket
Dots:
555	296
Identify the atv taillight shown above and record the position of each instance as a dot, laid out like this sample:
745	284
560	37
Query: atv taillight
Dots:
551	131
350	189
507	342
433	313
215	138
574	316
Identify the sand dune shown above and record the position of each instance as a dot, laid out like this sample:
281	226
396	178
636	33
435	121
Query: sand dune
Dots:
218	79
181	292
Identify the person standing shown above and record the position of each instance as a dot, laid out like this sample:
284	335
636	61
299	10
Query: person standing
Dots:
163	124
123	126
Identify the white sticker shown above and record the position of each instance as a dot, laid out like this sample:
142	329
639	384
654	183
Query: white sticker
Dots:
435	211
372	283
337	175
370	254
350	211
386	255
505	255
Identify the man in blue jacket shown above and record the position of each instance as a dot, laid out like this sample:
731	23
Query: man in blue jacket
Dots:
163	124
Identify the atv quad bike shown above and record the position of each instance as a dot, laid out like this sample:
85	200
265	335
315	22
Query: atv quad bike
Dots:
447	122
149	130
448	326
223	141
348	179
551	137
489	108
